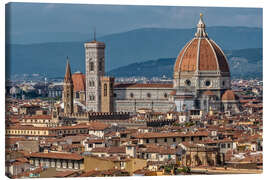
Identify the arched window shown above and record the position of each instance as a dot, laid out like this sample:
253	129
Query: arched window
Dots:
91	66
100	66
165	95
92	97
131	95
223	83
77	95
105	89
188	82
91	83
148	95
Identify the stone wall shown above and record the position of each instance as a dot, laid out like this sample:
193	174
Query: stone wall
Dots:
134	105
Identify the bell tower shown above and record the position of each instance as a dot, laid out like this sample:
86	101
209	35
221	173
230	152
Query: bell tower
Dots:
95	69
68	91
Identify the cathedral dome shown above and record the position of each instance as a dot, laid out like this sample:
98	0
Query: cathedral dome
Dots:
229	95
201	54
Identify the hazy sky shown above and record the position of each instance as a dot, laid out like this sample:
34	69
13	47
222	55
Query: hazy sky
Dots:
30	17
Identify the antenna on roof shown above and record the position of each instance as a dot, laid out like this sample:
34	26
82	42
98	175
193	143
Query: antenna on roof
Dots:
94	33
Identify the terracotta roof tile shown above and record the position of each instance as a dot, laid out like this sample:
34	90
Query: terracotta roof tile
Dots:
229	96
208	93
53	155
78	81
211	57
38	117
170	134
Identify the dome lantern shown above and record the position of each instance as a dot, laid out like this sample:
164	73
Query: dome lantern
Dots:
201	28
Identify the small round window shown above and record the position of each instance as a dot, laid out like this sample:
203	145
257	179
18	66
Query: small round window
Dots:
188	82
207	83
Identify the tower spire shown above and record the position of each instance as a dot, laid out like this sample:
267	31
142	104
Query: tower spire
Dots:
201	28
68	91
68	72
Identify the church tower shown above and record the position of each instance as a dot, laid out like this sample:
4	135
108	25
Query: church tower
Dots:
68	91
94	59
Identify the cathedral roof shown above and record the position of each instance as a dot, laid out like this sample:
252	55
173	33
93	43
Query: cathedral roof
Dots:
173	92
229	95
201	54
78	81
208	93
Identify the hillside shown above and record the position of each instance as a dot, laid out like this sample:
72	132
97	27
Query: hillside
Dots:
244	63
122	49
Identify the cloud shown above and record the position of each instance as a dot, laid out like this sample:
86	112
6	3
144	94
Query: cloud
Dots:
50	17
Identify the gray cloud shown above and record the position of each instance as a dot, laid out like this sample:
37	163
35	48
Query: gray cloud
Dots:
37	17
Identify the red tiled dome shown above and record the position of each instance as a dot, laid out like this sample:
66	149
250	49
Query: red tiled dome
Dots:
229	96
78	81
201	54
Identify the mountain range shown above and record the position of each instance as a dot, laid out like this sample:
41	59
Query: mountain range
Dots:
244	63
129	47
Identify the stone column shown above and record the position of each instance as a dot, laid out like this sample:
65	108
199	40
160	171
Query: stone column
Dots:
214	159
42	162
47	162
70	164
64	164
58	164
76	165
53	163
36	162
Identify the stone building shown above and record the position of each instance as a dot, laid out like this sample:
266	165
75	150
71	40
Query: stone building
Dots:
230	102
171	138
61	161
193	155
95	69
201	78
55	91
201	73
133	97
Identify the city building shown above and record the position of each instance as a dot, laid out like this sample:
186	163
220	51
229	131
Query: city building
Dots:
201	82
